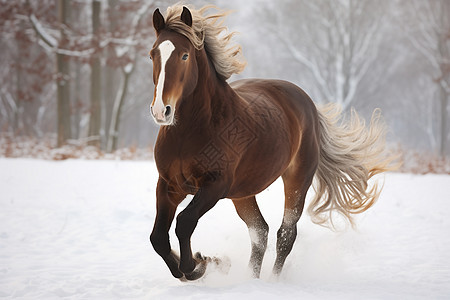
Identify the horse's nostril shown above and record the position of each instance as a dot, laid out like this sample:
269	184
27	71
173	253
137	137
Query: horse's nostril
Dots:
168	110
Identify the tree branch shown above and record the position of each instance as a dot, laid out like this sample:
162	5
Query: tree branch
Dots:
42	33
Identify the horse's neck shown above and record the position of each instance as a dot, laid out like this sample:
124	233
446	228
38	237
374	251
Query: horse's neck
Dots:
212	97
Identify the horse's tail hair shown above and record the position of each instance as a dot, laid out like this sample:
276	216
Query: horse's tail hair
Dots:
350	154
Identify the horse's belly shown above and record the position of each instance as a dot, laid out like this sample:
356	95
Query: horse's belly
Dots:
259	168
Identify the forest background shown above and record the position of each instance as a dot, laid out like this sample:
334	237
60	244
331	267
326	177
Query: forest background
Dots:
76	80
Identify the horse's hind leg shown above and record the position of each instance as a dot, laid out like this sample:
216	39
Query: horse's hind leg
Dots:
296	184
249	212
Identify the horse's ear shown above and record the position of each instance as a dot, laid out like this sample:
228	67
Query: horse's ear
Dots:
186	16
158	21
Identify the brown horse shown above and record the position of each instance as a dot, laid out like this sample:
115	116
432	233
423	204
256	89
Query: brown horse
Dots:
220	140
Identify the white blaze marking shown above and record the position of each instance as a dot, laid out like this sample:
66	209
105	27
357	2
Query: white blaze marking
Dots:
165	48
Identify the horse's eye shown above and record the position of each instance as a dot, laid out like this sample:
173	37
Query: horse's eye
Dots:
185	57
150	58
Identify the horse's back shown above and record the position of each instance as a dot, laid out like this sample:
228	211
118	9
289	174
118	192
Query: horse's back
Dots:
291	99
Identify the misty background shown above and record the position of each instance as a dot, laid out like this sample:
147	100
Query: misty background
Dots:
78	71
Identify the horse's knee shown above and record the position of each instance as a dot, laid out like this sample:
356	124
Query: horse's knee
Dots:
263	228
186	224
160	242
258	235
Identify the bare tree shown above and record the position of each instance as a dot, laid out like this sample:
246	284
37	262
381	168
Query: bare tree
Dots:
63	80
427	25
63	67
24	74
127	49
128	35
337	41
96	84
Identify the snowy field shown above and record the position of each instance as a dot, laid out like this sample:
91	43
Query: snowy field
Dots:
79	229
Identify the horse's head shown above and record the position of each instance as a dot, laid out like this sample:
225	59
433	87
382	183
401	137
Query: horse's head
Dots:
175	68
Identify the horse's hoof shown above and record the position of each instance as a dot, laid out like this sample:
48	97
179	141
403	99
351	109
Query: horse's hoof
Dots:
199	257
198	272
177	274
200	267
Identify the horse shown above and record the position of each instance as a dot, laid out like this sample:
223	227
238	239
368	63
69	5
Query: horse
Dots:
218	140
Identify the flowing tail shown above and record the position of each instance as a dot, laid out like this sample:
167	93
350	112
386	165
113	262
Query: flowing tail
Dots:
350	154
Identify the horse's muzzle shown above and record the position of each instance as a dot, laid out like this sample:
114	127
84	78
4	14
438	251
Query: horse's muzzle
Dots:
163	116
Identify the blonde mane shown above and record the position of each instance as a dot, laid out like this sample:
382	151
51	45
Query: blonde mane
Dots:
208	32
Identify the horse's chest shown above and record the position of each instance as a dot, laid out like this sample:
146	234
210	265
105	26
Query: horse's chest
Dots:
210	159
195	163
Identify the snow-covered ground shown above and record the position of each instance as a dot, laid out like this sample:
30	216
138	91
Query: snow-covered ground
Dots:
79	229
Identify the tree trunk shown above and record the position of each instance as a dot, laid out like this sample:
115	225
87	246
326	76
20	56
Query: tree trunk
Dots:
444	80
63	83
95	117
111	73
78	78
19	84
444	115
117	109
77	108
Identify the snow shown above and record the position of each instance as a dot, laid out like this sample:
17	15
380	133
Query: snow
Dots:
79	229
50	40
128	68
120	51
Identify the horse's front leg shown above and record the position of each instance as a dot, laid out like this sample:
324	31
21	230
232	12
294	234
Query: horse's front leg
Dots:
194	267
166	205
